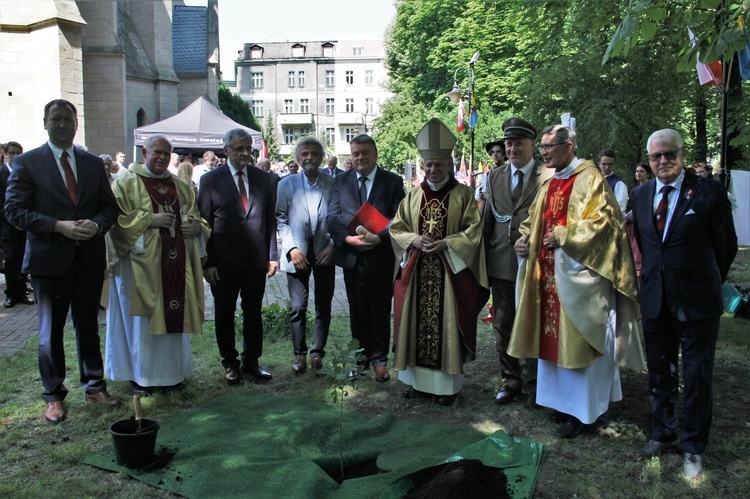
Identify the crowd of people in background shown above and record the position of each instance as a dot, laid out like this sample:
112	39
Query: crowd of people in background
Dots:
571	252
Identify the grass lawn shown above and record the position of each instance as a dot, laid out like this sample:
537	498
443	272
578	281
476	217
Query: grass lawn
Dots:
39	459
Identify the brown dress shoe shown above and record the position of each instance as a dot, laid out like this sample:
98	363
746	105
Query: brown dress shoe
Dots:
300	364
316	363
232	375
103	398
55	412
505	396
381	374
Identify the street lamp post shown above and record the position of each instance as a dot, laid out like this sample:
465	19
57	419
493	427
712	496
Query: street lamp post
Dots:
455	96
362	120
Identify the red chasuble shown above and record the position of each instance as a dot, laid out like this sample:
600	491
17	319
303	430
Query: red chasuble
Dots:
555	214
163	194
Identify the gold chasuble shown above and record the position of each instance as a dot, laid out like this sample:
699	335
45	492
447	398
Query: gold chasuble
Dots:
167	272
435	307
163	194
562	295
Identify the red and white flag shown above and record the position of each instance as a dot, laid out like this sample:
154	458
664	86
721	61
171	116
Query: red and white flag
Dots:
708	74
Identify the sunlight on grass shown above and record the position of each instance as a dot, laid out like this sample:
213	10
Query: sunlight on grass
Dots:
652	470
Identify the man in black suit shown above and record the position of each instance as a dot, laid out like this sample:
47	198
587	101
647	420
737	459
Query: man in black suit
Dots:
265	165
685	231
13	240
238	204
367	258
61	196
332	167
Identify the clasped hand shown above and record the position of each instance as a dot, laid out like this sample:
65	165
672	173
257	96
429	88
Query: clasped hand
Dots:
428	245
77	230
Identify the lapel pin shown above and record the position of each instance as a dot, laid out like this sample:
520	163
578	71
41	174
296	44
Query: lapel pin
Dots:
689	194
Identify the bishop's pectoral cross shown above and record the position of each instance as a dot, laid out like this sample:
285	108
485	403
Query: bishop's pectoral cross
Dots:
431	223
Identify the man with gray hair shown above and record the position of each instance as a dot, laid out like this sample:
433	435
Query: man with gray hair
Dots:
307	248
238	204
577	290
684	228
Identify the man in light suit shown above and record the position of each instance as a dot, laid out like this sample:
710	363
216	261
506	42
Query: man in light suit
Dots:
511	189
307	248
238	204
61	196
367	258
685	231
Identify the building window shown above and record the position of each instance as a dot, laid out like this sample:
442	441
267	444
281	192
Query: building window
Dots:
328	50
330	81
288	106
304	105
140	117
330	107
369	78
256	53
298	50
288	135
301	132
349	105
350	133
256	80
350	77
358	50
257	107
331	136
369	105
290	79
301	79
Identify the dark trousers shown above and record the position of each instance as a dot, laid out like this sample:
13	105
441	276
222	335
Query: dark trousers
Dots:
78	290
299	294
369	290
504	313
249	285
14	248
664	336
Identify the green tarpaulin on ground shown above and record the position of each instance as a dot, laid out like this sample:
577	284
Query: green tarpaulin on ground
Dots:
245	444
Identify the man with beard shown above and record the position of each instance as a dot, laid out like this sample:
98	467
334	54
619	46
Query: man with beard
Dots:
307	249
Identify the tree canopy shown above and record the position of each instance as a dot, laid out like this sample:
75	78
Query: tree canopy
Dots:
237	108
539	59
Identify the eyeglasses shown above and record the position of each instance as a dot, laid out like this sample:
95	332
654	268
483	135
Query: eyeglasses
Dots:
669	156
548	147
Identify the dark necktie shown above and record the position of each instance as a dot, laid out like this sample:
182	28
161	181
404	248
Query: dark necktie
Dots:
662	210
363	190
70	179
518	189
243	191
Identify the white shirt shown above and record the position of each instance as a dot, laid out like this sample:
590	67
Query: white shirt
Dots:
526	169
368	184
234	171
621	194
57	152
674	195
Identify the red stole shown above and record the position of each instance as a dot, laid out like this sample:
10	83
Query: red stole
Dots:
163	194
555	214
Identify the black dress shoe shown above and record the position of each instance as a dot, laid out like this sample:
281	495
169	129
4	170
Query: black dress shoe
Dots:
445	400
257	372
232	375
570	429
558	417
9	303
143	391
505	396
25	300
300	364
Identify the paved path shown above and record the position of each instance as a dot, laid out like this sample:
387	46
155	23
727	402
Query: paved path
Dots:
17	324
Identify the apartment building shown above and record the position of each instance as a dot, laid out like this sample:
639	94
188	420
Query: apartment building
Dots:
330	89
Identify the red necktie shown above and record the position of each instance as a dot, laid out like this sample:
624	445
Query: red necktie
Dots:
70	179
660	215
243	191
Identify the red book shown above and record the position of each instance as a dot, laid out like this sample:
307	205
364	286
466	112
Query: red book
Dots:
370	218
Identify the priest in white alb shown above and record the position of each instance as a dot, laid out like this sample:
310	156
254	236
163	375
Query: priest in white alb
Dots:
577	290
441	279
156	291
